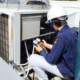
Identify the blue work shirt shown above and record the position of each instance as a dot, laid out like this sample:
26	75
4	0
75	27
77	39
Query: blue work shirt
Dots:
63	52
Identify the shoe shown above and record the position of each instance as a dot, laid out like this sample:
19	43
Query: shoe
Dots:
56	78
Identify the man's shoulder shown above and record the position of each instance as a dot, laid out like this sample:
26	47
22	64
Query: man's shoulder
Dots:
68	33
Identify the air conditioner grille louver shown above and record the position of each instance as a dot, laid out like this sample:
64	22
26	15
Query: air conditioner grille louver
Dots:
4	38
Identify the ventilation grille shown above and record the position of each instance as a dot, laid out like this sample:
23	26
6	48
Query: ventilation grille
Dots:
4	37
26	4
2	0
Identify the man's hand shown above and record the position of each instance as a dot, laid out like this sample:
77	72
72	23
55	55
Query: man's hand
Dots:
38	48
45	43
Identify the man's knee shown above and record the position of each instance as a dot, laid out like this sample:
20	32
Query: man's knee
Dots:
36	60
32	59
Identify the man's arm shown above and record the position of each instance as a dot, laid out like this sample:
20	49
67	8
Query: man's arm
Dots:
48	46
56	51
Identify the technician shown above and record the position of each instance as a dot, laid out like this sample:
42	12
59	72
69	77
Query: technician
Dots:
61	60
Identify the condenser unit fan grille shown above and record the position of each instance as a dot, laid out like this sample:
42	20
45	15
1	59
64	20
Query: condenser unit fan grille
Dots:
4	37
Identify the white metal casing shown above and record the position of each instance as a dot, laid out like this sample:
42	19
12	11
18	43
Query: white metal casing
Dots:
15	31
30	26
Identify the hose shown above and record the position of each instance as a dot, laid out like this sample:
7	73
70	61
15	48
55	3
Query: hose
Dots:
45	49
22	64
27	55
26	74
26	48
26	63
33	49
28	58
23	70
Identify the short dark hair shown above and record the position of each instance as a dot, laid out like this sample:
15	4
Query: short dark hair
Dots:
59	22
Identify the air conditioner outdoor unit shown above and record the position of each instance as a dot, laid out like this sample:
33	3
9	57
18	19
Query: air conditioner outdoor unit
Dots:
19	26
21	23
